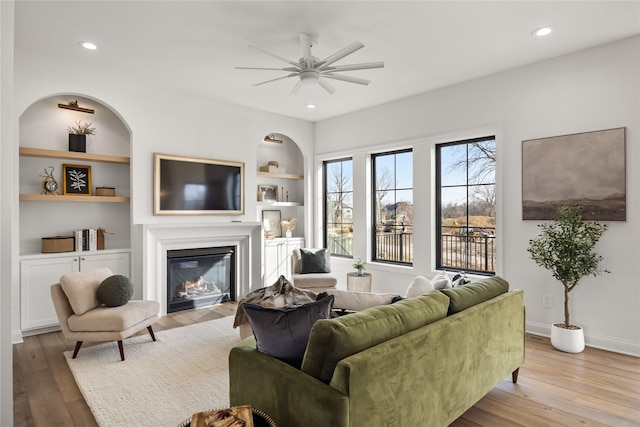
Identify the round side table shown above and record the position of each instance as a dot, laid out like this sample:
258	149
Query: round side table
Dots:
356	283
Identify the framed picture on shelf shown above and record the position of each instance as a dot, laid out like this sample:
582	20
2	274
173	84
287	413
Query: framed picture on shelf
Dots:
270	192
271	224
77	180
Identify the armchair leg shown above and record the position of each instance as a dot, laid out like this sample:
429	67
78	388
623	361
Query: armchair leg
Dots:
514	375
121	348
77	349
153	337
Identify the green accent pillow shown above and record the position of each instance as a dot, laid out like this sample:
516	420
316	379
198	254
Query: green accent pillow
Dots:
313	262
332	340
468	295
115	291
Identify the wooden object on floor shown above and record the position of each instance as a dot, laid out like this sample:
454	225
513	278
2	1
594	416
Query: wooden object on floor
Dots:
593	388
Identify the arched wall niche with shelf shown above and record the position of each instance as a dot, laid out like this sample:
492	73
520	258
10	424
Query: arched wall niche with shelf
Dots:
288	177
43	140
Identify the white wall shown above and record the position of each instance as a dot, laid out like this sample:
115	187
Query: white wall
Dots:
590	90
8	240
159	121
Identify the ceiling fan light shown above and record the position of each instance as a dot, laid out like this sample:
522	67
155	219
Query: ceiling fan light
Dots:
309	77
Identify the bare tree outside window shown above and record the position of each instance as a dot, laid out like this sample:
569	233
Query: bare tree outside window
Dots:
393	207
466	205
338	204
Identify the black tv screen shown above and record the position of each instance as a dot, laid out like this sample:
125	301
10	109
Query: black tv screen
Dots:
196	186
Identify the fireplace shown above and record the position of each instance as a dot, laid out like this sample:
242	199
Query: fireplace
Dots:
200	277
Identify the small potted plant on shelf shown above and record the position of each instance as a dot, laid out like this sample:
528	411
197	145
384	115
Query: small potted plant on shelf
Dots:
565	248
78	136
360	266
288	225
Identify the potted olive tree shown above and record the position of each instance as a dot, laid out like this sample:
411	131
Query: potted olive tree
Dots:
565	248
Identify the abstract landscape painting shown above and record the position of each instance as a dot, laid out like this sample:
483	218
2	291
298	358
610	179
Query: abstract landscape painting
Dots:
584	169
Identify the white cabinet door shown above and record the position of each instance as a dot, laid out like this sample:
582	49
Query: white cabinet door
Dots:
273	250
36	278
117	262
38	274
277	258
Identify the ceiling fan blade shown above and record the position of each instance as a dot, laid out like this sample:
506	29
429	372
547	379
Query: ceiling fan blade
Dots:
341	53
305	43
262	68
352	67
279	78
296	88
295	64
325	84
347	78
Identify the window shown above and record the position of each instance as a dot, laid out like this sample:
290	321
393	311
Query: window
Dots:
393	207
338	206
466	205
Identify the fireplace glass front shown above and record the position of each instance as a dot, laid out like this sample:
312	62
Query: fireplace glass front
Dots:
200	277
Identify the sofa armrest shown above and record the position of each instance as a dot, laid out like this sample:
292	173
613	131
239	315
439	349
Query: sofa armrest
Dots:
286	394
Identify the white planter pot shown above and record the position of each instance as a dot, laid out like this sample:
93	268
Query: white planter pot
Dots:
567	340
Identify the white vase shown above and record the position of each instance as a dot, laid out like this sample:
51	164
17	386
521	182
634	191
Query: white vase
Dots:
567	340
287	233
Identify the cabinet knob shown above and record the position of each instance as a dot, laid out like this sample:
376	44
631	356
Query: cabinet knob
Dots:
75	260
83	259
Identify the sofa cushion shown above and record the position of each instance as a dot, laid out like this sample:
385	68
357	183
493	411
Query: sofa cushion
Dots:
420	285
314	262
468	295
332	340
115	291
283	332
358	301
80	288
441	281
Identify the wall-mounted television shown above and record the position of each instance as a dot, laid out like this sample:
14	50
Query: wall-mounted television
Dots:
197	186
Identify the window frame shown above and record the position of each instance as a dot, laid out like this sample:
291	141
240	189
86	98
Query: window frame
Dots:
373	233
438	203
325	213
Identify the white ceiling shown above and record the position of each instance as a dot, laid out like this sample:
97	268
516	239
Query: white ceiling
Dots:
193	46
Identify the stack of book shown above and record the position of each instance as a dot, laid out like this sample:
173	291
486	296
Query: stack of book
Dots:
86	240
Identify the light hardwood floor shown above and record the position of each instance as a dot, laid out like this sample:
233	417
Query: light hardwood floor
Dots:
593	388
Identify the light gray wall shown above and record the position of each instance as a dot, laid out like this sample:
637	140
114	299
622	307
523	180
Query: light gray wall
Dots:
8	246
158	120
589	90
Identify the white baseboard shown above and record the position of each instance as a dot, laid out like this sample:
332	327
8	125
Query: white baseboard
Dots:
591	340
16	337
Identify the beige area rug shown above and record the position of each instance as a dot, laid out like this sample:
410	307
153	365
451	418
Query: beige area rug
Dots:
160	383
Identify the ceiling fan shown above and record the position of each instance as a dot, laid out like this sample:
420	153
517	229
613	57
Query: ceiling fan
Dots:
310	70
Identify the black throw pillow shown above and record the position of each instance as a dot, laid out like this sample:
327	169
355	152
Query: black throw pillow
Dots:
313	262
283	332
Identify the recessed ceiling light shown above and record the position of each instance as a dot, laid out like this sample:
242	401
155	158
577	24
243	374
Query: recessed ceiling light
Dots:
88	45
311	106
542	31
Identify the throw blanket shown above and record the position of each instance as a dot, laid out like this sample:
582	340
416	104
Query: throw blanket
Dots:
280	294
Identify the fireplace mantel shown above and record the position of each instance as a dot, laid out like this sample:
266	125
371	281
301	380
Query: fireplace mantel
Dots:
160	238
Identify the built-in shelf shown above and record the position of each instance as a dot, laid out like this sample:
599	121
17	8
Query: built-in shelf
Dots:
60	198
72	155
280	175
279	204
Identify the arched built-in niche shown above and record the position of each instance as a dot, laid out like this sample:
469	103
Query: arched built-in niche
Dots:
43	126
286	174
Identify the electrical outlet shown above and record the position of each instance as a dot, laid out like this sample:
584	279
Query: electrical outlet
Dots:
547	301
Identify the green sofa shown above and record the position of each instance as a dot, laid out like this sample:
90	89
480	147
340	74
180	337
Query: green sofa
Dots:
422	361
